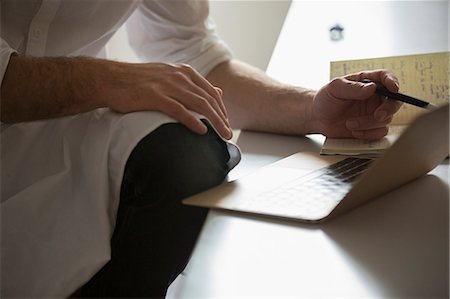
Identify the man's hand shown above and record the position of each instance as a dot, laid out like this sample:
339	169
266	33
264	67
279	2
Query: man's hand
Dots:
346	107
42	88
175	90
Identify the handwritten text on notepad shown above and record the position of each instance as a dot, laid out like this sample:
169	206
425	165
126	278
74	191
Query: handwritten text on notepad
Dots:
424	76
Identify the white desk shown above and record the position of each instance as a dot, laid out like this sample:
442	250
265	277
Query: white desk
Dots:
394	246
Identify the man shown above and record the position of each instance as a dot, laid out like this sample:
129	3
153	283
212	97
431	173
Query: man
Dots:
97	155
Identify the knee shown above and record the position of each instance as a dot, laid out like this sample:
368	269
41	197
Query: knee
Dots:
172	163
193	162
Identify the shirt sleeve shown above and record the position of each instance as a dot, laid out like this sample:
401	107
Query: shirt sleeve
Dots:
177	32
5	54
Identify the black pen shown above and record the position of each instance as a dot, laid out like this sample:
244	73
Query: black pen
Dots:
381	90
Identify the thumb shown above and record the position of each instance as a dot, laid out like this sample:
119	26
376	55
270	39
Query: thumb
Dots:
345	89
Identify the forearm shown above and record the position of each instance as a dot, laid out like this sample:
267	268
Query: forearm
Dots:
256	102
42	88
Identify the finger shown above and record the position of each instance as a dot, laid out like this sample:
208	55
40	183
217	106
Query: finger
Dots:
373	134
345	89
385	77
221	103
201	81
366	122
216	104
178	112
382	107
387	109
203	87
199	104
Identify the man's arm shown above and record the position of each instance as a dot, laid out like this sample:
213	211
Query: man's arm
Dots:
257	102
345	107
42	88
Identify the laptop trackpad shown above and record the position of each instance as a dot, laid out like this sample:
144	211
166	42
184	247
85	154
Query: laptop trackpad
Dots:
230	195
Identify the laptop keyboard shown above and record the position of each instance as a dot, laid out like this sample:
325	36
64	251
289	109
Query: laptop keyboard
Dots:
312	195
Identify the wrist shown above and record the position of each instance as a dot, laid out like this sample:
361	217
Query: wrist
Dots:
103	76
315	124
309	123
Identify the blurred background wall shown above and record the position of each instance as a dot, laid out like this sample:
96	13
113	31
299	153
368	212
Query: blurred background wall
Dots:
249	27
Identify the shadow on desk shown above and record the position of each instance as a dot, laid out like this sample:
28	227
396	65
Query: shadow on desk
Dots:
277	145
398	242
408	230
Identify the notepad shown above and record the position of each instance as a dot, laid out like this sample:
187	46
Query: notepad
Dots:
423	76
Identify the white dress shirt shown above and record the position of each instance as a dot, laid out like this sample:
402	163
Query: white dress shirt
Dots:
61	178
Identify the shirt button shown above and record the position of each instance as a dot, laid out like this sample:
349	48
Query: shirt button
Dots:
37	33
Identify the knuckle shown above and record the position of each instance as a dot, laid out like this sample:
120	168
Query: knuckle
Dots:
335	83
360	75
183	67
179	75
171	67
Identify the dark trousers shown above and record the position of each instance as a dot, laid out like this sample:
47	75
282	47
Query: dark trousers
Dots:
155	234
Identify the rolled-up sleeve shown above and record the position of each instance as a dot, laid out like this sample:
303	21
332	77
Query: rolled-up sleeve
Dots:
176	32
5	54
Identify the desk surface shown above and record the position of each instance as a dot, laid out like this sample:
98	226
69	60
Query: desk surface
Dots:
395	246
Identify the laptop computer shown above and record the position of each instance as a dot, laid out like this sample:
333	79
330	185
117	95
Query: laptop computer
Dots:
308	187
